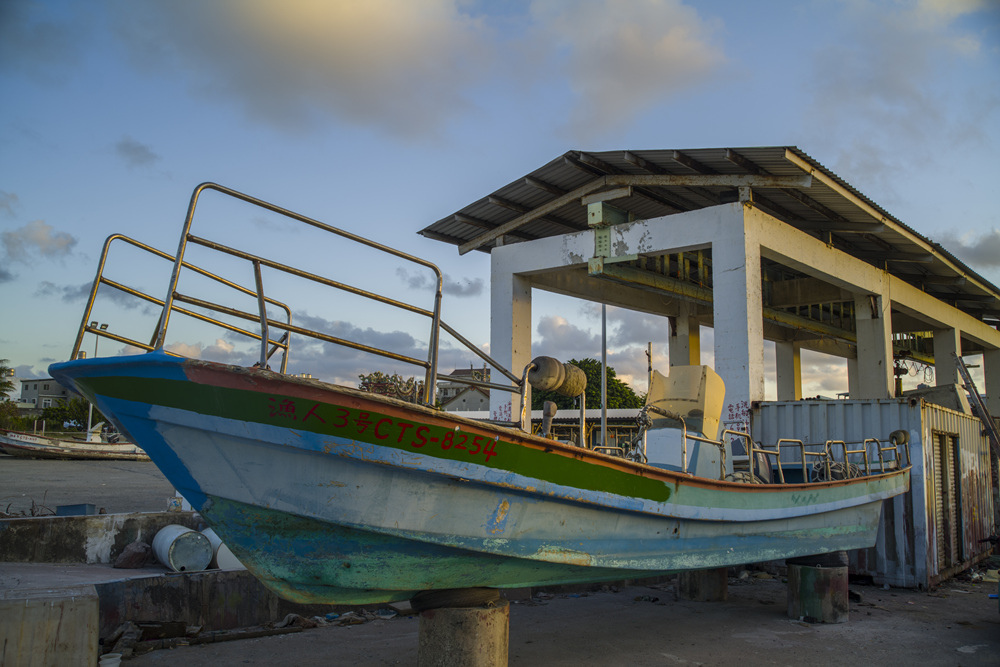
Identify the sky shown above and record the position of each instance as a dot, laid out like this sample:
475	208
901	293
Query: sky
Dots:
382	116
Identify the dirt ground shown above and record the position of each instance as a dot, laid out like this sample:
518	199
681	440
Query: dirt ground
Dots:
955	625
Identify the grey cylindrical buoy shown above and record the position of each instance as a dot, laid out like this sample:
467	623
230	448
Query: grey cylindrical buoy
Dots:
553	375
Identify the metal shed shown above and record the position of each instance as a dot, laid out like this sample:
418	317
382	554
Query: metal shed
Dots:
936	529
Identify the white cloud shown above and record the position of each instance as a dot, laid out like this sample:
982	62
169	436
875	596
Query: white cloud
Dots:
623	56
385	63
36	237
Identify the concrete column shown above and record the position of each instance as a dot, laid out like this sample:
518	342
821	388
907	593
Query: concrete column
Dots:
853	381
788	363
739	324
874	330
946	343
703	585
685	338
510	334
464	637
991	371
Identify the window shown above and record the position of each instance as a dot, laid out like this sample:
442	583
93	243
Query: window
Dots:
46	402
45	387
35	386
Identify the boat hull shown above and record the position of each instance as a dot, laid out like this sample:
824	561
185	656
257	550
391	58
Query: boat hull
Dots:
28	445
332	495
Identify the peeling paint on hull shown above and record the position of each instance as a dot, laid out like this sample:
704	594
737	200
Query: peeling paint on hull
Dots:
332	495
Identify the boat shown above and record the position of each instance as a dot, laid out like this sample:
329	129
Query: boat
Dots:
333	495
96	446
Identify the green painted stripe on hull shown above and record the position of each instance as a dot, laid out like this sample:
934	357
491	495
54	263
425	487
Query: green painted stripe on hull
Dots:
381	429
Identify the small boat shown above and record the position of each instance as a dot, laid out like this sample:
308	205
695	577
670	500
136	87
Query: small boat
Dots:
34	446
329	494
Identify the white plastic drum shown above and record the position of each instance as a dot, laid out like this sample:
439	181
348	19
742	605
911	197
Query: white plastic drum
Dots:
182	549
222	557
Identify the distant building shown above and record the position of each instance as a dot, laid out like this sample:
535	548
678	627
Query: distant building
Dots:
40	393
461	397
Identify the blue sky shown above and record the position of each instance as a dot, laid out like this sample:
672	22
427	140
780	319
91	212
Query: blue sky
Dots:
383	116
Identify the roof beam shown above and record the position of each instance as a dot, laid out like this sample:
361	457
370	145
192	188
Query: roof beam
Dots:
521	208
648	180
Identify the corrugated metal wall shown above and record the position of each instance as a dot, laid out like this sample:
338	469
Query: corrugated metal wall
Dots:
932	531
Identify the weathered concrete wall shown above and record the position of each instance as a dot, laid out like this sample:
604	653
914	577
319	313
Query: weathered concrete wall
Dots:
82	539
215	600
45	627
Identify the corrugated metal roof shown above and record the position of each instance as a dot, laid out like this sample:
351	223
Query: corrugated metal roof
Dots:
830	209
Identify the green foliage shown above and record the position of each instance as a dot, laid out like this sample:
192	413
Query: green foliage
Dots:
11	419
76	409
6	382
407	389
620	395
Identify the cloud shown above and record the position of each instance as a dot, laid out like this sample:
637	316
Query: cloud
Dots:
458	288
886	77
980	252
34	44
36	237
68	293
6	276
8	202
623	57
26	371
135	154
393	65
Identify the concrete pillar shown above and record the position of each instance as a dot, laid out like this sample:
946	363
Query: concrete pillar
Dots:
788	363
685	338
853	381
464	637
818	594
874	330
991	372
703	585
510	334
946	343
739	324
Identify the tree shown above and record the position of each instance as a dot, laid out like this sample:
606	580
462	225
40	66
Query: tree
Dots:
408	389
6	375
620	395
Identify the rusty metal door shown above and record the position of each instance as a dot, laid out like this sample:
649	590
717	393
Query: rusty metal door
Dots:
947	500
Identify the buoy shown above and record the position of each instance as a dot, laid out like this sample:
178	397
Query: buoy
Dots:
551	374
182	549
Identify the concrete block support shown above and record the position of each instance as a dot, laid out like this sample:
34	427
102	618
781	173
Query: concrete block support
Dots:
703	585
818	594
49	627
946	343
464	637
788	360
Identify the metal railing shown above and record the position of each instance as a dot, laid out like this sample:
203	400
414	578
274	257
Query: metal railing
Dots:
269	345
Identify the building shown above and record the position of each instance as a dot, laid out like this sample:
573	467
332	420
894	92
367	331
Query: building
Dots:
40	393
762	244
462	397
